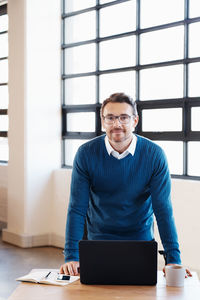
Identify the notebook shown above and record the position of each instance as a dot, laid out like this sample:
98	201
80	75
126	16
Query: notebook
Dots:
118	262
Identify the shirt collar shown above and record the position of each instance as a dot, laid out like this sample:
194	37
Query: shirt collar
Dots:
130	149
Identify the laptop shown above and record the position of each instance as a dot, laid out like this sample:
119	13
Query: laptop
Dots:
118	262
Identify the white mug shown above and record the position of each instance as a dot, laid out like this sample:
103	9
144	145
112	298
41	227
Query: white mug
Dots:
175	275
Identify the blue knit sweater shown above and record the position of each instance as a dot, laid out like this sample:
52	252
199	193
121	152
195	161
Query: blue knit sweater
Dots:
119	197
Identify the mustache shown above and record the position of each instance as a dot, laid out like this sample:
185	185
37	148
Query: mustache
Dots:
116	129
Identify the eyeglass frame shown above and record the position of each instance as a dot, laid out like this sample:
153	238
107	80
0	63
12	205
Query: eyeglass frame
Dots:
117	117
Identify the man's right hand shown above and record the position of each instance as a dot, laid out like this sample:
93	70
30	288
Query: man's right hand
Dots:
70	268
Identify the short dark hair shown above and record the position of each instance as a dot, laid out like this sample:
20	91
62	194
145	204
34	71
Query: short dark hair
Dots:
120	98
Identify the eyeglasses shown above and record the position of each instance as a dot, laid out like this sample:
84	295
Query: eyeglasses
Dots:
123	119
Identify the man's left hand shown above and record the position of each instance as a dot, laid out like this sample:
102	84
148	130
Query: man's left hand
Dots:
188	273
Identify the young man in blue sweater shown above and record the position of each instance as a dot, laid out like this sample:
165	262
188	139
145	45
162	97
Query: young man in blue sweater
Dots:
119	181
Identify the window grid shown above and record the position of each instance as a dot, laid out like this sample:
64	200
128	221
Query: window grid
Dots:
3	112
186	102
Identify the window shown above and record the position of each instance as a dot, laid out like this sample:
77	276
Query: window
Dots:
3	83
154	57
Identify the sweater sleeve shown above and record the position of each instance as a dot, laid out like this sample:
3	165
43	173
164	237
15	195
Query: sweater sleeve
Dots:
78	205
160	187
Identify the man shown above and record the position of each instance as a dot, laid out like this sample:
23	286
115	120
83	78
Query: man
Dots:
118	182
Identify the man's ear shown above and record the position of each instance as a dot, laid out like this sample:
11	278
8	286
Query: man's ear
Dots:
102	122
136	120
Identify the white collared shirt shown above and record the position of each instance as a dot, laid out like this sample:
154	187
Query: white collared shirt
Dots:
130	149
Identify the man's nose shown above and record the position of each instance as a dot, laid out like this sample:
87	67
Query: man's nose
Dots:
117	122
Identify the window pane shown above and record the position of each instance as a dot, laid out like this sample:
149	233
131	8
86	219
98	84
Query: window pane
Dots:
3	45
105	1
3	123
162	45
71	147
80	28
161	83
3	71
194	8
193	158
194	45
156	12
80	59
116	83
194	86
117	53
167	119
80	90
81	122
3	97
118	18
4	23
174	153
73	5
195	121
3	149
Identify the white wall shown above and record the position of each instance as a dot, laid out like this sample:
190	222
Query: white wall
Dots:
3	192
186	205
62	180
186	197
34	118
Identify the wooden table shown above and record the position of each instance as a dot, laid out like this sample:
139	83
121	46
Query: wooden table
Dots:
78	291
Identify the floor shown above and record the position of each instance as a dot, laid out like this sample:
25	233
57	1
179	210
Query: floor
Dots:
15	262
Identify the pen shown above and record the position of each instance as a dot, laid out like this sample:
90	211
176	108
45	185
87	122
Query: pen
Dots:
47	275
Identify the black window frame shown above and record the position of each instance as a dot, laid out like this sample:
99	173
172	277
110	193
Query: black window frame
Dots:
3	11
186	102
